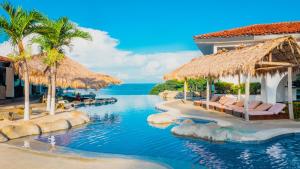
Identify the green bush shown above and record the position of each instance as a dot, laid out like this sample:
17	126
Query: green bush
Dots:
296	106
254	88
198	85
223	87
173	85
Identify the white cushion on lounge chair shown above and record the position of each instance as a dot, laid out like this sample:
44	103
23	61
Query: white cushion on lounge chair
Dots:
257	112
277	108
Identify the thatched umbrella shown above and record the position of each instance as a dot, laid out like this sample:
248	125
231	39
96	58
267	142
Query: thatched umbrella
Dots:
242	61
69	74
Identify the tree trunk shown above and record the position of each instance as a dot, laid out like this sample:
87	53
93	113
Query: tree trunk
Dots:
26	92
53	90
49	94
26	82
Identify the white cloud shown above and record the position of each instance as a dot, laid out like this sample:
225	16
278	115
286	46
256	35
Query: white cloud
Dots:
102	55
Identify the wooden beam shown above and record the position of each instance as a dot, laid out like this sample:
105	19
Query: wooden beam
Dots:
290	93
275	63
270	68
291	46
270	57
247	94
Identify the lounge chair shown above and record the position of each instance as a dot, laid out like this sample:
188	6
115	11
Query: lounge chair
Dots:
202	102
236	105
238	111
222	100
222	107
276	111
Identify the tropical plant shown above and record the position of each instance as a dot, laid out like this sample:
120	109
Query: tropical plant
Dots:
17	25
199	85
55	36
196	85
172	85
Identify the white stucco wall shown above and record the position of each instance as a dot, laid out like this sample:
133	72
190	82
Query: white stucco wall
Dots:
281	90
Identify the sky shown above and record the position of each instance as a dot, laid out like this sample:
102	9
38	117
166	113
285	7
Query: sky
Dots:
140	40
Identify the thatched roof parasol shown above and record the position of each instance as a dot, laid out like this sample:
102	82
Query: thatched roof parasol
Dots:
69	74
270	56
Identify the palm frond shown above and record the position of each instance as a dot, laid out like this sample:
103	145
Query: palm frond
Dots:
9	8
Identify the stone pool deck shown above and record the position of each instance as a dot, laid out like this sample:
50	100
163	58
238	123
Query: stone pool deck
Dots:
13	157
40	121
259	130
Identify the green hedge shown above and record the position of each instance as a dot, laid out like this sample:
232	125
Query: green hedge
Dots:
296	106
200	85
230	88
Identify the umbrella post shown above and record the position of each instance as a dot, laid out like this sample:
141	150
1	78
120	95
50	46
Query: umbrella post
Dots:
247	94
185	90
207	92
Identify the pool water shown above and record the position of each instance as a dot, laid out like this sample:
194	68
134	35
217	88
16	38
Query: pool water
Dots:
121	128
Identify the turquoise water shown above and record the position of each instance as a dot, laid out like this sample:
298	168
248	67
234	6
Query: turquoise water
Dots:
122	129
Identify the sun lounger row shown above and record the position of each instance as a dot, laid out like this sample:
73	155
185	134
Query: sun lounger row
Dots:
256	109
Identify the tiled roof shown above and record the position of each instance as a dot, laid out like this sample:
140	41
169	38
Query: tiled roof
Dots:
5	59
258	29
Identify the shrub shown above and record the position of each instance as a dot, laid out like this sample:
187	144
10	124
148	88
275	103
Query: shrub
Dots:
173	85
199	85
223	87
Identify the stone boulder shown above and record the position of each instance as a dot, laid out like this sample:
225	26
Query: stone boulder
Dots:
3	138
160	126
17	131
196	130
209	131
187	121
81	115
54	126
161	118
76	121
185	129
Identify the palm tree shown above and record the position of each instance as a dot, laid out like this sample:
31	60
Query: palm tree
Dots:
59	35
17	25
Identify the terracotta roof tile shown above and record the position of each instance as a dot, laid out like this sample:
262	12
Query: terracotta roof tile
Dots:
258	29
5	59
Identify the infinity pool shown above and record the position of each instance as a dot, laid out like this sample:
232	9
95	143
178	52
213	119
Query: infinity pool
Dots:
122	129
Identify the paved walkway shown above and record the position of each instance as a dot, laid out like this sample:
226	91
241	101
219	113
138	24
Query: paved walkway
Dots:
264	129
13	157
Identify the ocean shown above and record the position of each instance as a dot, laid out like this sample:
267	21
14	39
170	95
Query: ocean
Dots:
128	89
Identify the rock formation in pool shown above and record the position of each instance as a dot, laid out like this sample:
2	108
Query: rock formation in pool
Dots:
209	131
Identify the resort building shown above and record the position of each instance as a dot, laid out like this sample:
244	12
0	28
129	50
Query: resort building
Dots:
6	78
11	86
273	88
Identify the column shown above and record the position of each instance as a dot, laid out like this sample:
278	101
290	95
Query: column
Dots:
264	90
247	94
290	93
184	90
239	83
207	93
